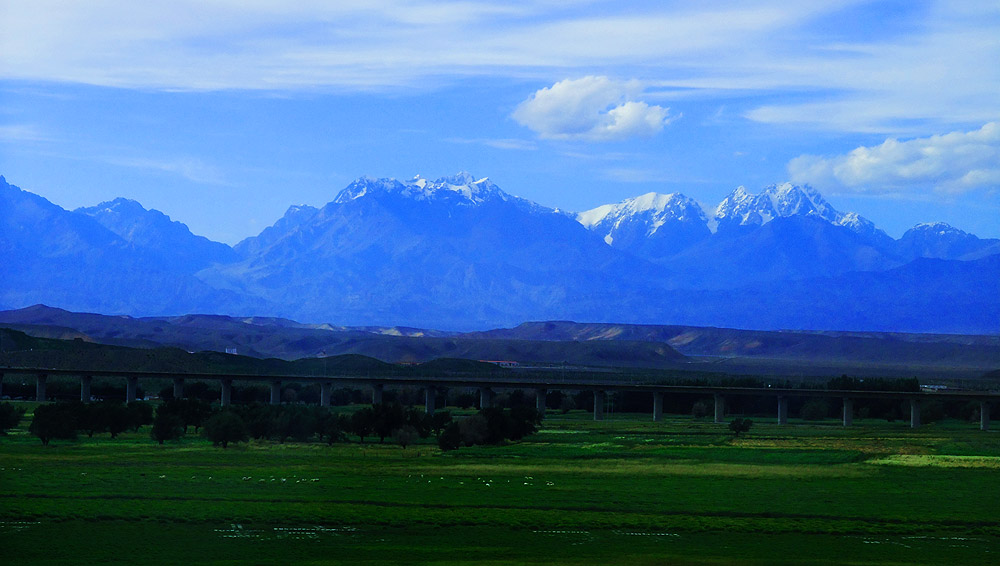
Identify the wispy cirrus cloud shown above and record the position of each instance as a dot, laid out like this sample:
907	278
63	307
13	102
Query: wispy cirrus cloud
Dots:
498	143
23	133
806	64
955	162
190	168
591	108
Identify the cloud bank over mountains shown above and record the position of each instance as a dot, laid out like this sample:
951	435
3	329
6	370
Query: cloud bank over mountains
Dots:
591	108
956	162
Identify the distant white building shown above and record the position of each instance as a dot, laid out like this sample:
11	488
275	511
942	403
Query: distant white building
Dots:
502	363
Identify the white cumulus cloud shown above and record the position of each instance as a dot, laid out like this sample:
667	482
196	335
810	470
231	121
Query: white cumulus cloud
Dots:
956	162
591	108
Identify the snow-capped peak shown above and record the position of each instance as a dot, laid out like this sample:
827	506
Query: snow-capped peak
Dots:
775	201
939	228
470	190
651	211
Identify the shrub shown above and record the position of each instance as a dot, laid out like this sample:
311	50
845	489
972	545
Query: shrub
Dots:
699	410
739	425
53	421
814	410
166	426
363	423
10	416
450	437
405	435
225	427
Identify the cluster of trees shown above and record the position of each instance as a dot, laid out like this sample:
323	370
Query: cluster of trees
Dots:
306	423
490	426
301	423
68	419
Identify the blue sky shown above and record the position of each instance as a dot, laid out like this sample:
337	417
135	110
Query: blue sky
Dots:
223	113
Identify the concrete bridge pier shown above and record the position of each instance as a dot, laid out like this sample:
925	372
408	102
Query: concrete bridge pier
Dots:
914	413
178	388
848	411
85	388
782	410
485	397
599	398
40	380
276	392
377	394
984	415
325	389
657	407
430	397
227	392
540	398
720	408
131	386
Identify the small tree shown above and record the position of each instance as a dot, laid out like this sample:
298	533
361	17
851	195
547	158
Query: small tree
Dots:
405	435
53	421
699	410
139	414
334	427
363	423
10	417
114	416
195	412
814	410
225	427
438	422
739	425
451	437
166	426
388	417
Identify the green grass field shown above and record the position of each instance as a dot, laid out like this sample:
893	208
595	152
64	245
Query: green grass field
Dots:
622	491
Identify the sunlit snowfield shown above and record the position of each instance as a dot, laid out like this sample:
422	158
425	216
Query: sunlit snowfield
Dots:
625	490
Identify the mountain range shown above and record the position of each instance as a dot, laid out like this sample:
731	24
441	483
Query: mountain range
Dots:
459	253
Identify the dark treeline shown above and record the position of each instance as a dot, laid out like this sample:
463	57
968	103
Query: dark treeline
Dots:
66	420
173	419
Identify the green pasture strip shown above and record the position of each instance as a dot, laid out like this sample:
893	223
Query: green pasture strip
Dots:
114	542
780	480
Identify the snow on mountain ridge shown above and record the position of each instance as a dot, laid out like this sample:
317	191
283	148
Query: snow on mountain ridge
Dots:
942	228
471	190
775	201
658	207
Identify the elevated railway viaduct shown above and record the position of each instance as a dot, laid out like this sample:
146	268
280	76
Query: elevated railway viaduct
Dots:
488	387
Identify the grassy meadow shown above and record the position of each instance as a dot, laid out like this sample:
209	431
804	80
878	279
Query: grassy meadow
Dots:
625	490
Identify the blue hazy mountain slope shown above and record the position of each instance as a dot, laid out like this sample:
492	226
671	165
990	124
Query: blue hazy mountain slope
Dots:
460	248
294	217
168	244
942	241
925	295
69	259
788	248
